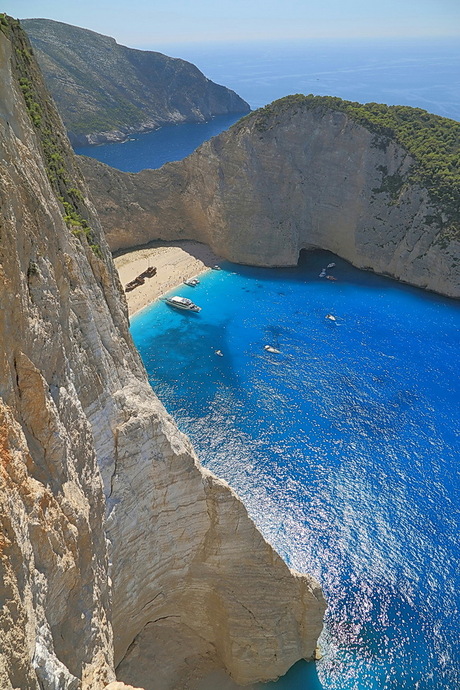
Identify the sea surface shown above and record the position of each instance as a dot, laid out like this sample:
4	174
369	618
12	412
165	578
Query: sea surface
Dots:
422	74
344	447
154	149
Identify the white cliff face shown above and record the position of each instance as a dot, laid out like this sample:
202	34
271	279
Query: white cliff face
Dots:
302	179
115	544
319	180
54	621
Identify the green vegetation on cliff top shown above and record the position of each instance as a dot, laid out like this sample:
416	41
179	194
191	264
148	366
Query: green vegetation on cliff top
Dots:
433	141
56	151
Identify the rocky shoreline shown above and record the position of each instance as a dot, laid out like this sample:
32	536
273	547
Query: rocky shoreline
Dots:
121	91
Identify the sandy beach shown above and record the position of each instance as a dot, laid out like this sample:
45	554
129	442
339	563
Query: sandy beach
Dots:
174	263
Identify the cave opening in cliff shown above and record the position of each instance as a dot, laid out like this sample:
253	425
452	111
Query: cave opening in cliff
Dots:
305	255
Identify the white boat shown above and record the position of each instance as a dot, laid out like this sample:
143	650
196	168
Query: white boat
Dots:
323	273
192	282
182	303
270	348
331	265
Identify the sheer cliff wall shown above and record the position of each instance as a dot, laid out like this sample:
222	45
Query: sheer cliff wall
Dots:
286	178
116	547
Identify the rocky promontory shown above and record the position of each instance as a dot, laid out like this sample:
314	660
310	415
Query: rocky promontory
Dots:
105	91
376	185
119	554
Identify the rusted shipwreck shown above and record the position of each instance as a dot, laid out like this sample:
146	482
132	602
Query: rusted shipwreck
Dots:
140	280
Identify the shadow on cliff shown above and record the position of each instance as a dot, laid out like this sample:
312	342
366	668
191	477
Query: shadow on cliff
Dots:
302	676
313	261
196	249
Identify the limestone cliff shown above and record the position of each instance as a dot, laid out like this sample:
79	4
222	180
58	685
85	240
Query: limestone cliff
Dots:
105	91
115	545
302	173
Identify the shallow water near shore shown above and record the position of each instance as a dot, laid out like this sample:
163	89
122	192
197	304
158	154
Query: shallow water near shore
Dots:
343	447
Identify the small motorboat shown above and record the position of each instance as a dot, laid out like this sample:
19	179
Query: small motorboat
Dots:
331	317
331	265
216	268
182	303
323	273
192	282
270	348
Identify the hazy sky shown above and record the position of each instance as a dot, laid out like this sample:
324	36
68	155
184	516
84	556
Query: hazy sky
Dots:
138	23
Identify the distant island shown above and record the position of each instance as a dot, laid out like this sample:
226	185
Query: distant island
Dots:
105	91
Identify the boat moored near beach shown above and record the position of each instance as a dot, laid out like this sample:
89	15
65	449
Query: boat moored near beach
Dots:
182	303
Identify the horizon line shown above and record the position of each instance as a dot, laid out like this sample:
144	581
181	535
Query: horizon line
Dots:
137	42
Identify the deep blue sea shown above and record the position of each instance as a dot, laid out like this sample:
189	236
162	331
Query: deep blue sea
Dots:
420	73
345	445
154	149
344	448
423	73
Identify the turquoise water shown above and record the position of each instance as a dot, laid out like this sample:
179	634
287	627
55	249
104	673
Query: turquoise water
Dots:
344	448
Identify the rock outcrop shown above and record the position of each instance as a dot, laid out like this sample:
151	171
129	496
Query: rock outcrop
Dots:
297	175
105	91
116	547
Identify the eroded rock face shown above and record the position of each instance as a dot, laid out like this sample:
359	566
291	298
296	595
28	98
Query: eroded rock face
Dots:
113	538
56	599
303	178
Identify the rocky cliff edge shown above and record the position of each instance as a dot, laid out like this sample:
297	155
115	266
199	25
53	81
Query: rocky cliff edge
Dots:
116	547
305	173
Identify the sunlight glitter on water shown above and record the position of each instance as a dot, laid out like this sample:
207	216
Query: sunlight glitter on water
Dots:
343	446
